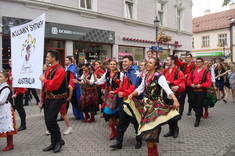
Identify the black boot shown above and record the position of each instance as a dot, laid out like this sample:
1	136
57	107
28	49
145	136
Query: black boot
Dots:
22	127
197	122
50	147
58	146
117	145
170	133
176	131
138	144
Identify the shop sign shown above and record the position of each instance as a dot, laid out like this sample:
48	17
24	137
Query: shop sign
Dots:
209	54
65	32
124	53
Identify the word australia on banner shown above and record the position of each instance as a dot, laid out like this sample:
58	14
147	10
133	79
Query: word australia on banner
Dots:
27	53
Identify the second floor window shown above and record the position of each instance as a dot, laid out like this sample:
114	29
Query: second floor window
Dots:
179	18
129	4
87	4
222	40
205	41
161	9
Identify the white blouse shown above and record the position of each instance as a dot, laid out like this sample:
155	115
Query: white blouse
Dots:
4	94
102	80
161	81
92	80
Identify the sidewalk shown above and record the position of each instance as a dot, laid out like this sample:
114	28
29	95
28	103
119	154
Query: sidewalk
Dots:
214	137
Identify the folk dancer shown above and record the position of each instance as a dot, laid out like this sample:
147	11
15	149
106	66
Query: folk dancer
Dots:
199	80
7	115
112	79
186	67
176	80
152	112
131	80
53	96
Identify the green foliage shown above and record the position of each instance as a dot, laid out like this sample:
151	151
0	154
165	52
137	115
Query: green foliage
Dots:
226	2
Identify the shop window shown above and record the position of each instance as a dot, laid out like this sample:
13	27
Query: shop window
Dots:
136	52
56	44
91	52
6	52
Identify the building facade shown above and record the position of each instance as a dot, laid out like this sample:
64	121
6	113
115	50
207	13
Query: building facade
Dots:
212	35
98	30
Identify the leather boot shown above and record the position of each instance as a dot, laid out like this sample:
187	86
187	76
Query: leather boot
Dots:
175	130
92	119
170	133
22	127
197	122
58	146
117	145
138	144
150	151
155	150
113	132
206	113
87	116
10	145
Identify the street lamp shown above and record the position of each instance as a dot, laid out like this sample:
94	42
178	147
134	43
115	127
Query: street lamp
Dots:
156	25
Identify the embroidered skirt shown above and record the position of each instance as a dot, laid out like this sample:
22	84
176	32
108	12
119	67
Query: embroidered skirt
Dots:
151	115
110	103
7	120
89	100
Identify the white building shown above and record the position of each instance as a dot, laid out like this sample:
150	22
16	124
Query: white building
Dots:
211	34
100	29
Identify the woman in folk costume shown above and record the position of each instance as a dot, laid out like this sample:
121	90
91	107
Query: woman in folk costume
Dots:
152	112
89	98
7	115
211	97
112	79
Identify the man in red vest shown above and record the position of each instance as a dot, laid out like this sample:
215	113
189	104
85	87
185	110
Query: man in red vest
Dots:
176	80
199	80
186	67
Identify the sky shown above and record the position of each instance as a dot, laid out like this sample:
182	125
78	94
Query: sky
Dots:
199	6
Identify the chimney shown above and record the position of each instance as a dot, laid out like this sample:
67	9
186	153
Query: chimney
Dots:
207	12
232	6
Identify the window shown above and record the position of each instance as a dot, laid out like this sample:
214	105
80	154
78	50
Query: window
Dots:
160	10
205	41
222	41
192	42
179	14
87	4
129	8
179	19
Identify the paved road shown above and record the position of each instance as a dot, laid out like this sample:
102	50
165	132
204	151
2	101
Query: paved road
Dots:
214	137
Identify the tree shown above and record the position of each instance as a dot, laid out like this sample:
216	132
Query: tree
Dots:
226	2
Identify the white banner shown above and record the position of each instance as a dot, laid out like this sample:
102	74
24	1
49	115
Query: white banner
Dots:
27	53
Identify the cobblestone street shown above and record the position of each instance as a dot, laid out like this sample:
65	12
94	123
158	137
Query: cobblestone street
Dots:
214	136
